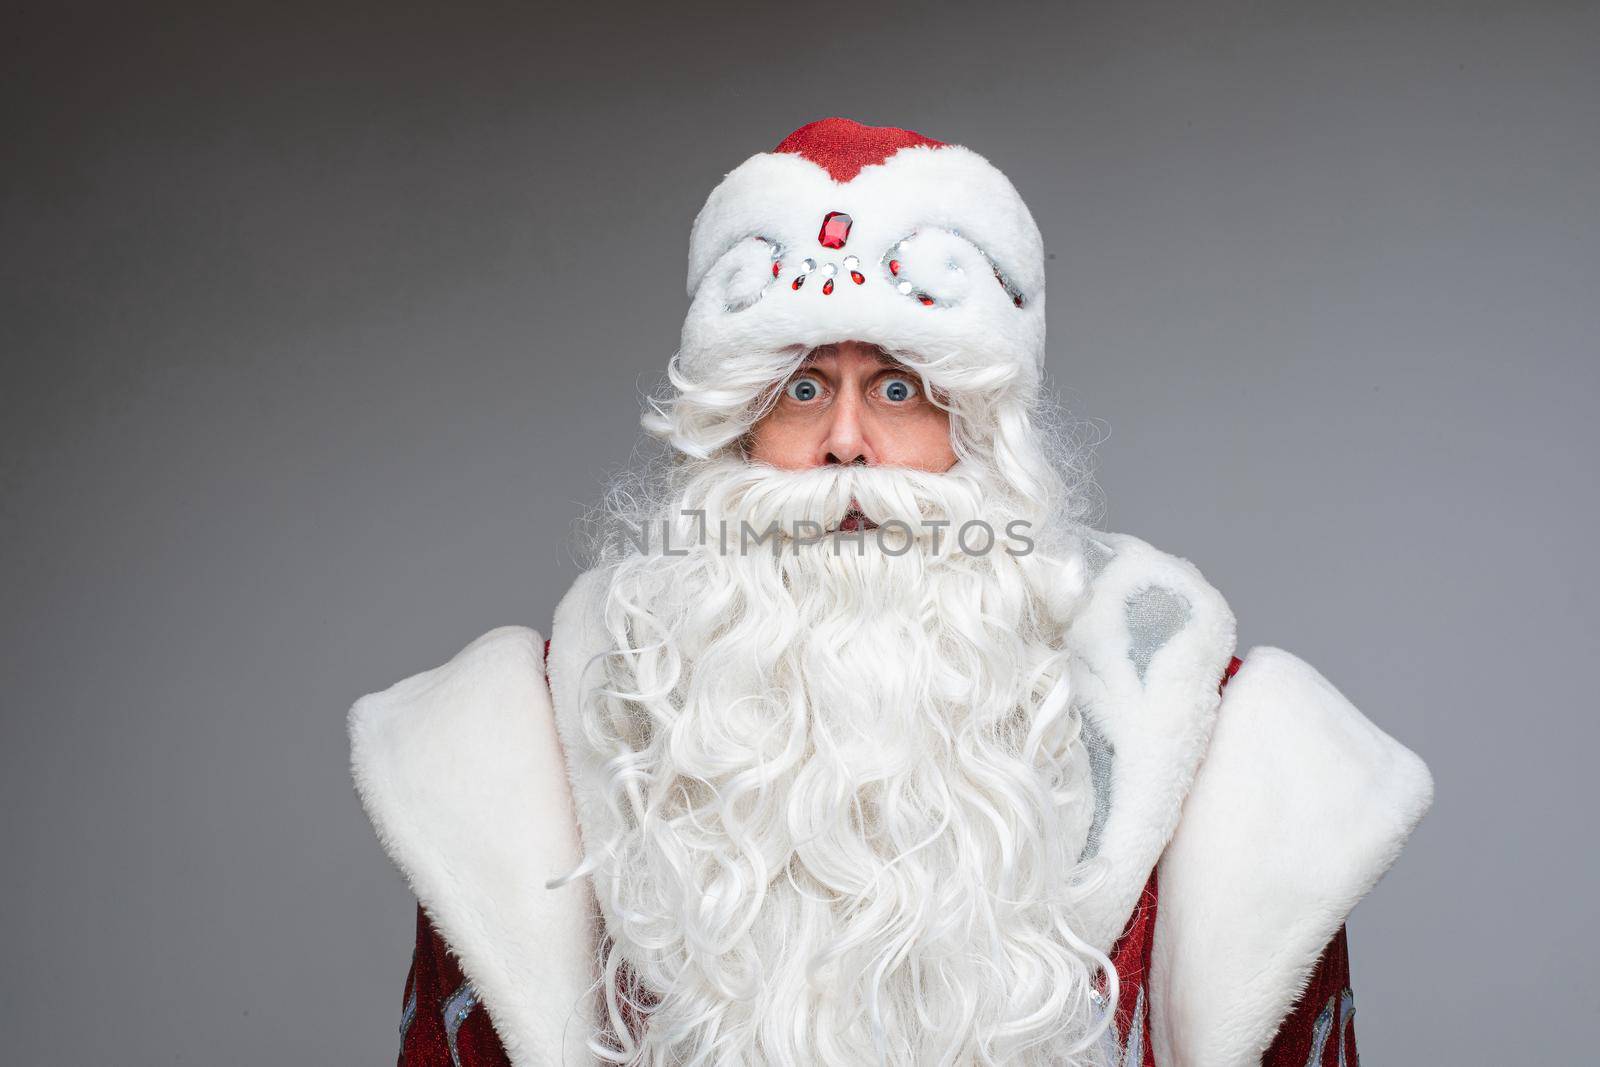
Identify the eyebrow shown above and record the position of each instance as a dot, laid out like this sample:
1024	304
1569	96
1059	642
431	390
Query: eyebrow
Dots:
883	358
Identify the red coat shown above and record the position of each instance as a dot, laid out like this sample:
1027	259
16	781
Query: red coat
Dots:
1264	816
443	1025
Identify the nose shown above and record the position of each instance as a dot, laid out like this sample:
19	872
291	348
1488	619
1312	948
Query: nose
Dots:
846	440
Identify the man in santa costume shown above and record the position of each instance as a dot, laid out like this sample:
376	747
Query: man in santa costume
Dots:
855	745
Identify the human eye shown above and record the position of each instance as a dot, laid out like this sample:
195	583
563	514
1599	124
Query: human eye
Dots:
803	388
898	389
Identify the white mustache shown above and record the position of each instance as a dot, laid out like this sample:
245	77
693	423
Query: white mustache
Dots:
762	495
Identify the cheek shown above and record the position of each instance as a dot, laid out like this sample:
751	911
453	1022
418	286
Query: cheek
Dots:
783	443
922	442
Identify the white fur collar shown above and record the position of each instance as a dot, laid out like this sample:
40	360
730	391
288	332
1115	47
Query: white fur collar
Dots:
1299	808
1148	648
462	772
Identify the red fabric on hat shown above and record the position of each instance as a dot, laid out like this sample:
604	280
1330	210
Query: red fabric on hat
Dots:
842	147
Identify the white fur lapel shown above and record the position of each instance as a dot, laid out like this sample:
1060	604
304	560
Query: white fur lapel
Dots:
1148	648
1300	807
460	772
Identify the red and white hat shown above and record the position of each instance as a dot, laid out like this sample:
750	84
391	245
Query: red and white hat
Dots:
867	233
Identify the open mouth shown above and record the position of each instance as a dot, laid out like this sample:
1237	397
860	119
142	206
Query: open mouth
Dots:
855	519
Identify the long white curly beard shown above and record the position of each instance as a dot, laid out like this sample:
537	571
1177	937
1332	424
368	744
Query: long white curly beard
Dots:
850	784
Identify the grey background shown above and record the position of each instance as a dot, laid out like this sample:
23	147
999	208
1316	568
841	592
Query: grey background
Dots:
321	324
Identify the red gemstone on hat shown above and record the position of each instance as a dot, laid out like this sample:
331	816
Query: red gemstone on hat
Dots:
894	266
800	279
857	277
776	266
827	287
835	230
926	300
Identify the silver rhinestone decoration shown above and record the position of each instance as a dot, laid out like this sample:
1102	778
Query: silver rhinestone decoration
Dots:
904	287
851	263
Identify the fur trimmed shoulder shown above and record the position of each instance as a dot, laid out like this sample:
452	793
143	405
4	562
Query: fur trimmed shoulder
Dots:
1300	806
460	770
1148	647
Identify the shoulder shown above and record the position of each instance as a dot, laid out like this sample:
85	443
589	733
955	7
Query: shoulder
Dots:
484	708
480	683
1154	642
1268	807
1309	797
489	702
461	772
1301	804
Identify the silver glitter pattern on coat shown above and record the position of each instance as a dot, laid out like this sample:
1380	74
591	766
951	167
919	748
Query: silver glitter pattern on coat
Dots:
1096	554
1154	616
1102	754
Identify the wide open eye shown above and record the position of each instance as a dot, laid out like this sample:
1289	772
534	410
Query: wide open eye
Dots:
898	389
803	389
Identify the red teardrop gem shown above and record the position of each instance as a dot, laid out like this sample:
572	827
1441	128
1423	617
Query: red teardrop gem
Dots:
776	266
835	230
857	277
827	287
926	300
894	266
798	281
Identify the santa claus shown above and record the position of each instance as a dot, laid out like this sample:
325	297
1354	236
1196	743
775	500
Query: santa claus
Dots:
856	745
